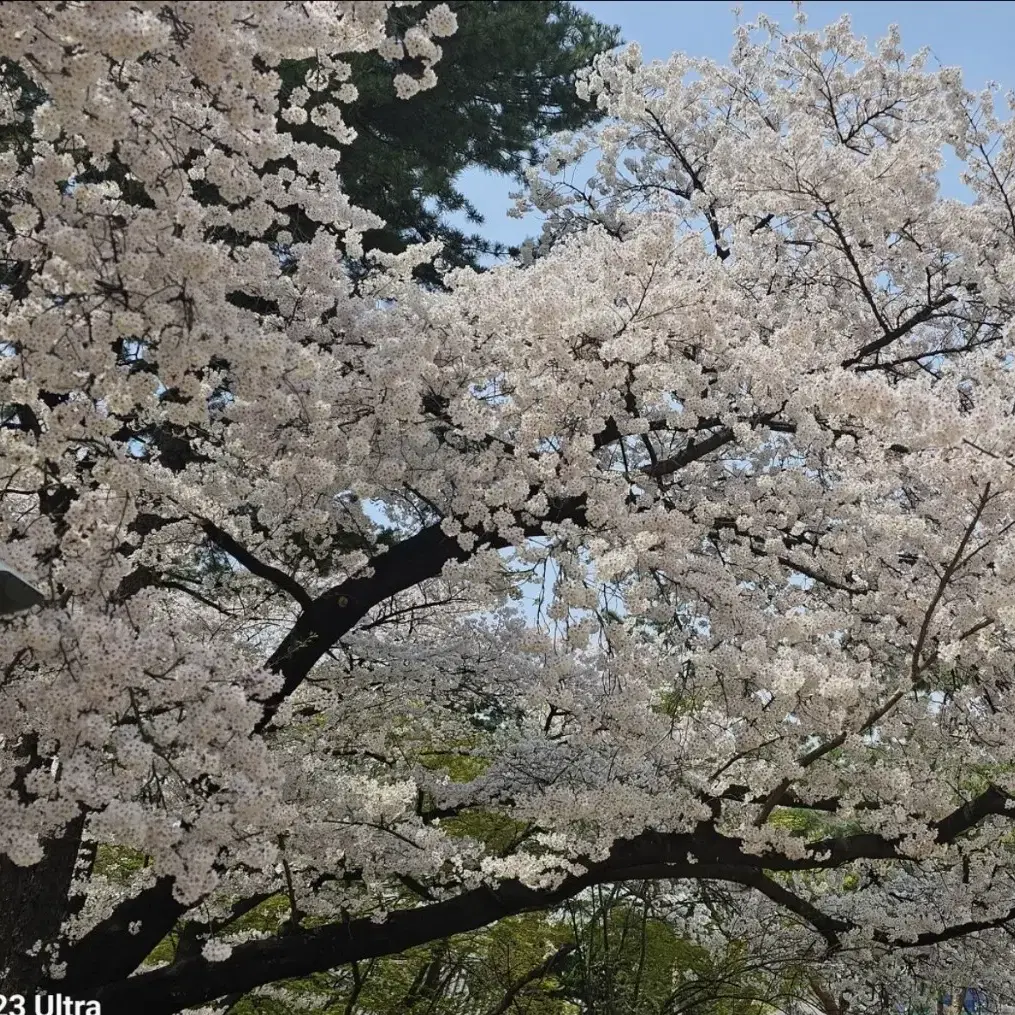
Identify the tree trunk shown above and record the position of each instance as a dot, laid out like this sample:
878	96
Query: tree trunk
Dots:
33	905
34	901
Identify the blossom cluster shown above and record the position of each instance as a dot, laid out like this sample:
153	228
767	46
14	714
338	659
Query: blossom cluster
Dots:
739	434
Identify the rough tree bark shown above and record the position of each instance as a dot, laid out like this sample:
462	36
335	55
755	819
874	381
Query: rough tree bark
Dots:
34	900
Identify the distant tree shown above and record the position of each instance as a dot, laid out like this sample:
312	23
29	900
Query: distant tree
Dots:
507	83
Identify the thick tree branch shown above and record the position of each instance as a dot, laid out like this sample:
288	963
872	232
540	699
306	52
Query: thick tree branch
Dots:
703	854
828	927
109	951
899	331
255	566
334	613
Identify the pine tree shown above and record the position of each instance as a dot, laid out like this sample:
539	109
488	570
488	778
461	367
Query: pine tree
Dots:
504	83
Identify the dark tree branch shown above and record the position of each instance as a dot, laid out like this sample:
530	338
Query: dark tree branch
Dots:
828	927
101	962
899	331
195	932
334	613
949	933
255	566
703	855
109	951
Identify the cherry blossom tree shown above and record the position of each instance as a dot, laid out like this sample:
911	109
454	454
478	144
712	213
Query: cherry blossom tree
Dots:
744	425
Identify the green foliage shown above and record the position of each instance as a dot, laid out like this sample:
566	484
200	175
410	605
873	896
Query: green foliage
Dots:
21	95
978	777
673	703
462	975
799	821
627	960
460	765
499	833
631	959
514	947
504	83
118	863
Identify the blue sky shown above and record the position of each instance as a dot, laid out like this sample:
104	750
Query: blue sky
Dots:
979	37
